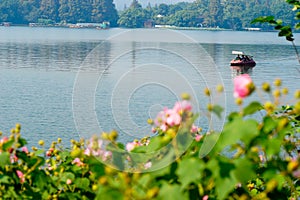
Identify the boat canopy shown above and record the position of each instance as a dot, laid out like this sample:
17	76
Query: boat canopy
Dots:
240	53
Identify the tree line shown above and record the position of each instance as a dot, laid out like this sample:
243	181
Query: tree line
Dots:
230	14
54	11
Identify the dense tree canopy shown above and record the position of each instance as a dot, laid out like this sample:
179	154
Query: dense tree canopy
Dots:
230	14
69	11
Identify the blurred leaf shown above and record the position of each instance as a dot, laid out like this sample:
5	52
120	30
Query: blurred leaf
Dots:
238	130
117	160
82	183
189	171
4	159
22	142
67	175
273	147
171	191
39	178
109	193
5	179
217	110
244	165
252	108
268	124
7	145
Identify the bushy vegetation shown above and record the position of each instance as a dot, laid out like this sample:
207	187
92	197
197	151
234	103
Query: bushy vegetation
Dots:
249	159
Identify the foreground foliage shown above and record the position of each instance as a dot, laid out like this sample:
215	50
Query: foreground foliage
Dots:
249	159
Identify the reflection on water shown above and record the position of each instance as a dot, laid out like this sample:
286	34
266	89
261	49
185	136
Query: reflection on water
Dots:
62	56
238	70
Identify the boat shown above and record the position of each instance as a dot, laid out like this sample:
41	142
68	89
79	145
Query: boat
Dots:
242	59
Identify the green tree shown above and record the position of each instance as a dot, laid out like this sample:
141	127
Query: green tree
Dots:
49	10
10	11
133	17
216	13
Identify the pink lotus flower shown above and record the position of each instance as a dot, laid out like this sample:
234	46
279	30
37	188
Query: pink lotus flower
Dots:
21	176
243	86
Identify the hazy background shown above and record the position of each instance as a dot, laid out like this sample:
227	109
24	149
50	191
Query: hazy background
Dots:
120	3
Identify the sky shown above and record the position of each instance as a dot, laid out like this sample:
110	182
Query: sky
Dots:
120	3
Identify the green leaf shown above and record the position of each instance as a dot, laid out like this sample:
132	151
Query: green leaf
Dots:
67	175
4	159
217	110
7	145
238	130
222	170
273	147
252	108
268	125
244	170
189	170
82	183
22	142
171	191
4	179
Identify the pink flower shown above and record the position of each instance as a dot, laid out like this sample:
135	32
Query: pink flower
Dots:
243	86
194	129
205	197
87	152
13	158
107	155
78	162
24	149
173	118
130	146
69	181
164	127
182	106
198	137
21	176
148	165
3	140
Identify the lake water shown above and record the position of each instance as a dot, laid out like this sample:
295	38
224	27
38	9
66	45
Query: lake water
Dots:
72	83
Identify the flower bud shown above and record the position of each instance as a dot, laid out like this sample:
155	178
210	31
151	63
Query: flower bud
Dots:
185	96
239	101
269	106
150	121
285	91
276	93
41	142
266	87
277	82
210	107
207	92
220	88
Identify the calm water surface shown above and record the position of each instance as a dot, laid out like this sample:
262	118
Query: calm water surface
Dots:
42	68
